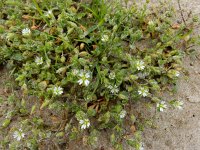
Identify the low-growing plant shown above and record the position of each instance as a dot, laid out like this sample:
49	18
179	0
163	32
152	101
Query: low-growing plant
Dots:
87	62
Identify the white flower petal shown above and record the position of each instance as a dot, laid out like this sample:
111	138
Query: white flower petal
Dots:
122	114
39	60
141	146
87	75
177	74
57	90
18	138
18	135
143	91
15	134
88	124
23	135
83	126
144	94
179	107
140	65
105	38
74	72
163	102
80	81
161	109
87	82
81	121
84	123
81	74
84	78
161	106
26	32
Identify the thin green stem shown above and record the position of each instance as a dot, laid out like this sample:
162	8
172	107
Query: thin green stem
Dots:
40	12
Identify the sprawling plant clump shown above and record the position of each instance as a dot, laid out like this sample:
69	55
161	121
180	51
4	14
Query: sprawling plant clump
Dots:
88	62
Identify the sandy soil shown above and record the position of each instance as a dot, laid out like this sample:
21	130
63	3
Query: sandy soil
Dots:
180	130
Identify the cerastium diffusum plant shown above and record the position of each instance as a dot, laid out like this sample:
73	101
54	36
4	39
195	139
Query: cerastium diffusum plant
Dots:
86	62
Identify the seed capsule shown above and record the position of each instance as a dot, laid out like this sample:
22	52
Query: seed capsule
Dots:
62	59
82	46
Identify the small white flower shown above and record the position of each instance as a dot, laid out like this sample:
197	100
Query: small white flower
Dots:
105	38
57	90
84	123
178	104
18	135
143	91
141	146
48	13
87	82
26	32
39	60
122	114
84	78
173	73
112	75
140	65
151	23
84	81
75	72
161	106
177	73
80	81
113	89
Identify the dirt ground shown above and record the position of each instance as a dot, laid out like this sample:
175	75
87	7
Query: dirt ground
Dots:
180	130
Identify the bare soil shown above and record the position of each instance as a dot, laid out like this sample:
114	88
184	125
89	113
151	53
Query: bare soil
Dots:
180	130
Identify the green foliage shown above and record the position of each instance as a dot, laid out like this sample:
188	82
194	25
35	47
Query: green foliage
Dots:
90	61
